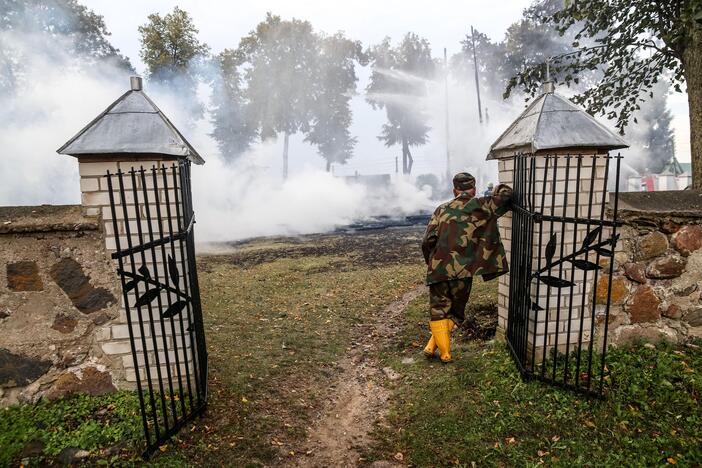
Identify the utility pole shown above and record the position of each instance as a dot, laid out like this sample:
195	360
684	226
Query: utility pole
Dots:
446	96
477	83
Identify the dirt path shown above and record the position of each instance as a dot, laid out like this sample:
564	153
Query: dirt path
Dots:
358	398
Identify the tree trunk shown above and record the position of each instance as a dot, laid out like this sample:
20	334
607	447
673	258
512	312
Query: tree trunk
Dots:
328	166
286	143
405	153
692	61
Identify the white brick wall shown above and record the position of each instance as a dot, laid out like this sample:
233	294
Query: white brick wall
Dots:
114	338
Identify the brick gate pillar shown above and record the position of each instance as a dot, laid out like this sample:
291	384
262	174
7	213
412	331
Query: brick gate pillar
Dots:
552	127
556	203
130	134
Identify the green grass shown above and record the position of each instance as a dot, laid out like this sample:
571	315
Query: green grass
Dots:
275	331
479	410
86	422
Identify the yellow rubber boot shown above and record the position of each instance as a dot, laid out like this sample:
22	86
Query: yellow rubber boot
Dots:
430	347
440	330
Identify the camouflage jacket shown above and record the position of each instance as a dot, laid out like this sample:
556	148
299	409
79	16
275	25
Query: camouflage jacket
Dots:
462	239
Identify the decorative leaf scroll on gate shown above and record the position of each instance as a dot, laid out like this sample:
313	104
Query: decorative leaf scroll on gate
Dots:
557	322
153	288
152	213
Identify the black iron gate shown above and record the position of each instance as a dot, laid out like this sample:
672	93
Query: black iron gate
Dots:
557	319
152	224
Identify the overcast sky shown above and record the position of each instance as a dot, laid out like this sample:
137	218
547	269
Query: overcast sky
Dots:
223	23
444	23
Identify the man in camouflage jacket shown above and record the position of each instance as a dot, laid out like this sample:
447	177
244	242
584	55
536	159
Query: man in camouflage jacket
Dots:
461	241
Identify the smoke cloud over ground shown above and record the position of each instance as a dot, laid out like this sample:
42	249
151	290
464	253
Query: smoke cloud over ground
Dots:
60	94
233	201
57	97
248	197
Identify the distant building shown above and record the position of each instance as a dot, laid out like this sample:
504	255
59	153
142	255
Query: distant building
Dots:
674	176
371	180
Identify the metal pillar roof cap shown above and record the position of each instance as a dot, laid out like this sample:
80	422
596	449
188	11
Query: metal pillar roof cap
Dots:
133	124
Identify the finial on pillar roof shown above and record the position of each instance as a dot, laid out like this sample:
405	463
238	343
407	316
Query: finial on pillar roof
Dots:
136	83
548	86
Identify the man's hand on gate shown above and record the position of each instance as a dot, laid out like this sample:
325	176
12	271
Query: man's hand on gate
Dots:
502	190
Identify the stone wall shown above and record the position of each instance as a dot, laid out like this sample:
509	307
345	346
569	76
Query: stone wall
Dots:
657	280
58	296
63	320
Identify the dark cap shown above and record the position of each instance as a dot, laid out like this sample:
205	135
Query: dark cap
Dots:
463	181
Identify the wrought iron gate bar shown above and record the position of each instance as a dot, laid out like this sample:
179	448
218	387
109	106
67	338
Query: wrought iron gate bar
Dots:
161	297
539	218
582	304
556	321
170	239
156	243
572	264
611	271
594	293
185	213
538	283
548	288
574	255
568	219
125	298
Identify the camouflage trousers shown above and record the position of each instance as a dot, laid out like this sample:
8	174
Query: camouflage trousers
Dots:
448	299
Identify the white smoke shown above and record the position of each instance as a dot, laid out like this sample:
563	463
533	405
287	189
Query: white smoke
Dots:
55	99
249	198
59	96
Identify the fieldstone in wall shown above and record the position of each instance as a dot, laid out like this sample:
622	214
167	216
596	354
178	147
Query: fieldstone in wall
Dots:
69	275
694	317
620	290
23	276
64	323
102	318
643	305
633	333
620	258
684	289
652	245
687	239
673	311
72	357
18	370
670	266
88	380
617	317
635	272
670	227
